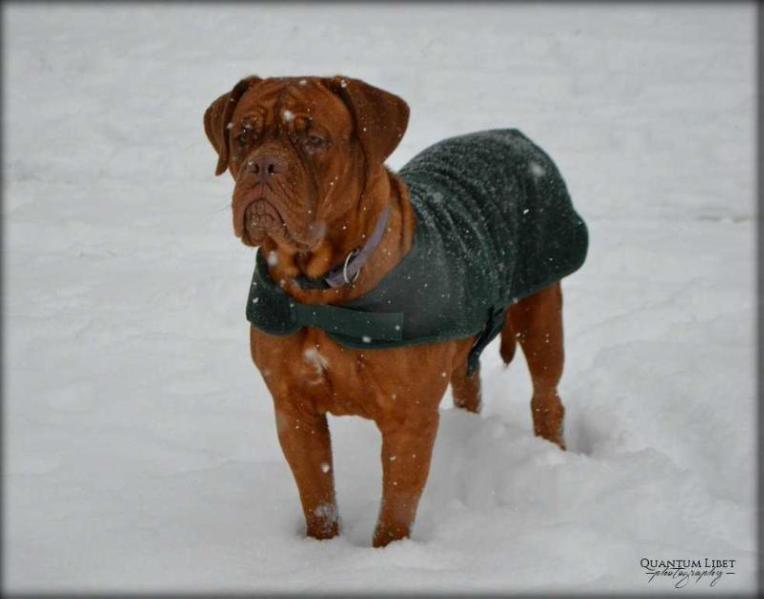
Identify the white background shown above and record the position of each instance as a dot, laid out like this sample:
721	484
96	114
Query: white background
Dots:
140	448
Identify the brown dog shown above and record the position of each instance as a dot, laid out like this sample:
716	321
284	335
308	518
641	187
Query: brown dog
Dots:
307	156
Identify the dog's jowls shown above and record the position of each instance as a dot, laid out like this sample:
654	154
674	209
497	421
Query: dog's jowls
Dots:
307	157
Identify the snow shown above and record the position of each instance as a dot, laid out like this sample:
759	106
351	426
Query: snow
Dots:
537	170
316	359
140	445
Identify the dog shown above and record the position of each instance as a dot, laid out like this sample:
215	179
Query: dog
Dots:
373	291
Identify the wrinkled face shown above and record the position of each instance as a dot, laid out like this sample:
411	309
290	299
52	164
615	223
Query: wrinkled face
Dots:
302	150
290	152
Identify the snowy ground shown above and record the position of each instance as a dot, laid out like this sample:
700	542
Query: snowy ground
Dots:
140	448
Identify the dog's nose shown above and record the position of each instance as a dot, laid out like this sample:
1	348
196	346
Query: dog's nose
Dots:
266	166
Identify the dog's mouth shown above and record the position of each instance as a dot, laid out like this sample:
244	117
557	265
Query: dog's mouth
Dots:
262	219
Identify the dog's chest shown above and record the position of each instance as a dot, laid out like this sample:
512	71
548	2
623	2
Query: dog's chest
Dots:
310	366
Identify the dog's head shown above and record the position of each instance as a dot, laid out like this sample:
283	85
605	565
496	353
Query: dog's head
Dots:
301	150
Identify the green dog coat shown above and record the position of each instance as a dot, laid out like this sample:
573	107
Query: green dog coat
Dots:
495	224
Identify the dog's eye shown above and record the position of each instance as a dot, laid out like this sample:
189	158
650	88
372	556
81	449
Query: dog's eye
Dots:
246	135
315	143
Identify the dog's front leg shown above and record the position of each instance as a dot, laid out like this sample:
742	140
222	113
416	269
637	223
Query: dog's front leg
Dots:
304	438
406	452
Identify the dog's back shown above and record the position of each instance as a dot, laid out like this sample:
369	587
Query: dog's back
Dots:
500	209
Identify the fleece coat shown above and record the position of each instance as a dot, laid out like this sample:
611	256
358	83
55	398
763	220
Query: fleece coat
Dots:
495	223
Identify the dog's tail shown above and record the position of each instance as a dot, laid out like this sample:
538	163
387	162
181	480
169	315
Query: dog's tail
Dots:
508	341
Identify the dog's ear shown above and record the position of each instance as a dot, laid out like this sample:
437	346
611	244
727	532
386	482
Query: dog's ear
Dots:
380	118
218	116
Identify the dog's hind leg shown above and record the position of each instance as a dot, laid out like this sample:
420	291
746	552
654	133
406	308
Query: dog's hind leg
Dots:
537	321
465	388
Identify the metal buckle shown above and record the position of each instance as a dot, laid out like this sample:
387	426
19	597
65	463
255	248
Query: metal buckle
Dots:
345	269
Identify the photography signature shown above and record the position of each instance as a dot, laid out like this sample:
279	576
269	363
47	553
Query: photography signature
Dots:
683	571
